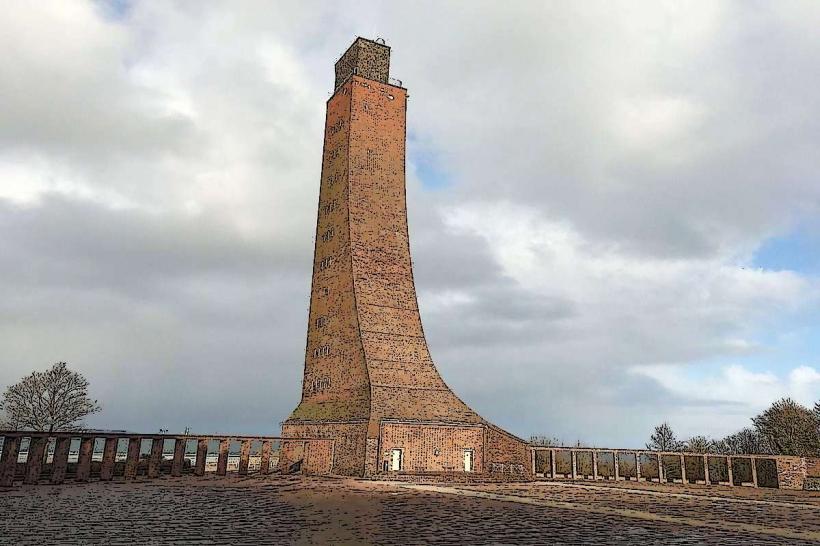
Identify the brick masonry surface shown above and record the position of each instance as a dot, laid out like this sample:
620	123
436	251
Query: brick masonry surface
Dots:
293	510
813	468
791	471
366	359
366	58
434	448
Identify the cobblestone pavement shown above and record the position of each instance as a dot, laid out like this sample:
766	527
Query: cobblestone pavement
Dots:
298	510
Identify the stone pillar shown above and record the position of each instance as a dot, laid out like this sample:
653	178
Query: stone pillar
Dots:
8	462
730	471
594	465
244	456
637	466
552	463
753	464
201	456
34	463
532	461
179	457
84	459
615	460
109	457
59	463
574	459
683	479
222	461
132	458
660	468
706	476
264	462
155	460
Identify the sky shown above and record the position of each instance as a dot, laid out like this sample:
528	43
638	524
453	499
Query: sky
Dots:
614	207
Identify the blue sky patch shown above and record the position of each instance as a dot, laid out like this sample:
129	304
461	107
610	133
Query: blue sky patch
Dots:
798	250
115	10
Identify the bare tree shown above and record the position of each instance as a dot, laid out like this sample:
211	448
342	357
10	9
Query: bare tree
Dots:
789	428
747	441
699	444
56	399
6	423
663	439
545	441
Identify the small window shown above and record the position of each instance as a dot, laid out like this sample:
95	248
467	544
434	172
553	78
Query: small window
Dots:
321	321
324	350
334	153
320	384
329	207
325	263
324	291
333	178
336	127
328	235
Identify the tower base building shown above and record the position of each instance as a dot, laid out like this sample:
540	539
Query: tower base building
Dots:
369	381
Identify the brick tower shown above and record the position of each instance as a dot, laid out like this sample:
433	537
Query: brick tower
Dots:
369	381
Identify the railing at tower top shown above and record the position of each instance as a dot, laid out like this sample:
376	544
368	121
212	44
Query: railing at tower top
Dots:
41	457
354	71
774	471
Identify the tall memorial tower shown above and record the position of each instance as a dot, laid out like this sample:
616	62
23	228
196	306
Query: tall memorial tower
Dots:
369	382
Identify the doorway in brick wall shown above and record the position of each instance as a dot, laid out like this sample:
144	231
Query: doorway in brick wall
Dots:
468	460
395	459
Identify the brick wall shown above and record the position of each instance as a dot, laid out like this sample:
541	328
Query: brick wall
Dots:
791	472
319	457
813	467
507	454
335	385
349	446
404	381
431	447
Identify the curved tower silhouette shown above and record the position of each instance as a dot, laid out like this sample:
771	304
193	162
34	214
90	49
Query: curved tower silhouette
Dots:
369	381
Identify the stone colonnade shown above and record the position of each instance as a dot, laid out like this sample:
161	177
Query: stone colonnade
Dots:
665	467
33	457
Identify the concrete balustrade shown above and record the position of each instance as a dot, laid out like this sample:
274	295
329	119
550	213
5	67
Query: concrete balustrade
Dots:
39	457
593	464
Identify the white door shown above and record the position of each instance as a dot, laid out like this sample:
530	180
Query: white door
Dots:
395	459
468	460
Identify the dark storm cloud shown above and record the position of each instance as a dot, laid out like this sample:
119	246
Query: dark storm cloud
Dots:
156	310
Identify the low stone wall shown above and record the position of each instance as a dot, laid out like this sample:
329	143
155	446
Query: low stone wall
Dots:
40	457
508	457
675	467
452	477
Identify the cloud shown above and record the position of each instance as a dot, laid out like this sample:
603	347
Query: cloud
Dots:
611	172
734	391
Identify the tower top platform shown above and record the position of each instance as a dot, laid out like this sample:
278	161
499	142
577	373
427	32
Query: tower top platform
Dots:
366	58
